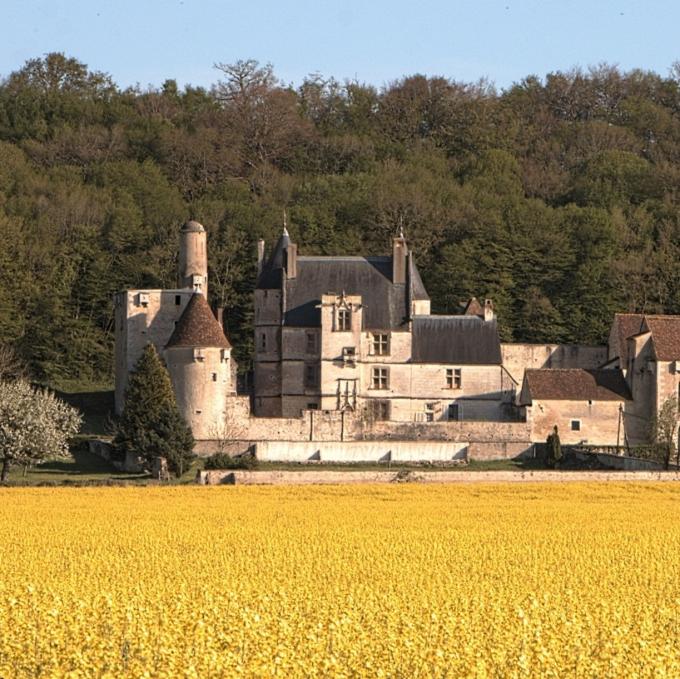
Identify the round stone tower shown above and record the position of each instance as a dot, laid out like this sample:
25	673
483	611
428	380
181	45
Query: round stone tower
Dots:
193	258
198	356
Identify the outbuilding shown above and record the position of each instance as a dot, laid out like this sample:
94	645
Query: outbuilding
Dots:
587	406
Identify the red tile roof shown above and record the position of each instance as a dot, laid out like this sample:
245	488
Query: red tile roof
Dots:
574	385
665	336
198	327
625	326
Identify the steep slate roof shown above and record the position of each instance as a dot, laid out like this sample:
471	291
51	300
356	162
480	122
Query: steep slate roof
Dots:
385	304
574	385
625	326
270	277
198	327
665	336
459	340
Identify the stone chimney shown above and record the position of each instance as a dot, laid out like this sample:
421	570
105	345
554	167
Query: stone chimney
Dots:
488	310
290	263
260	256
399	259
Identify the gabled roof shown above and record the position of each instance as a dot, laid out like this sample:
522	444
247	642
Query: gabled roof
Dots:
457	340
574	385
198	327
385	304
665	336
625	326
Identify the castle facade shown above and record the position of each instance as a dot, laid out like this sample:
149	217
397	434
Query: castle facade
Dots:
347	349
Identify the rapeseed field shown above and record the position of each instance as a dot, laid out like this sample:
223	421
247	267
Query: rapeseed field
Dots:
522	580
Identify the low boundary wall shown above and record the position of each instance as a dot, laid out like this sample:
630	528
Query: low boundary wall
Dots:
320	477
361	451
373	450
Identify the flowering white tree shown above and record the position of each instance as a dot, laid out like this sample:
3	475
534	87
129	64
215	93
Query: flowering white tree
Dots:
34	425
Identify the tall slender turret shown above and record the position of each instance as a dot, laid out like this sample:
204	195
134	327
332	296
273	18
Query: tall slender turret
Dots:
193	258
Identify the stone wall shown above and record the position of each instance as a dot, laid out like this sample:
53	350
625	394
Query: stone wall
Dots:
423	440
520	357
361	451
598	421
143	317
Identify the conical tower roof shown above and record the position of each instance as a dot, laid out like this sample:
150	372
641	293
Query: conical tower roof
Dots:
198	327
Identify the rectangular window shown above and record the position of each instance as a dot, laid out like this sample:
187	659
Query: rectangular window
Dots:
576	425
454	412
344	320
263	342
454	378
178	300
381	344
379	411
380	378
429	412
311	381
312	406
311	343
214	377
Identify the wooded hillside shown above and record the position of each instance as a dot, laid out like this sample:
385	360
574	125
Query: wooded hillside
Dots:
559	198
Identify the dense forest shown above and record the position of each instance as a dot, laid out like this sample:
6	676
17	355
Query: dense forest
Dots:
558	197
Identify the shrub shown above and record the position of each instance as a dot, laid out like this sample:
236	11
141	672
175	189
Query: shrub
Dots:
226	461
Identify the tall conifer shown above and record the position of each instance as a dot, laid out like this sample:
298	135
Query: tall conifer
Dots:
151	424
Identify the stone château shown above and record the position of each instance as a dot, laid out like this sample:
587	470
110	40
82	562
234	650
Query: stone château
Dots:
350	363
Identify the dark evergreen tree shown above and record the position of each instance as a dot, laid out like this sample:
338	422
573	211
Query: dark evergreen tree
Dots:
151	425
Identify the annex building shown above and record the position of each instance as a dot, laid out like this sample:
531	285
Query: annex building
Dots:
350	363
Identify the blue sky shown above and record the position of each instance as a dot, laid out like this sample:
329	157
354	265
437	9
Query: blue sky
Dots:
147	41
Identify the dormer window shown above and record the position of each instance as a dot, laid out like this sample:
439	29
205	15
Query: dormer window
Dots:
197	282
143	299
344	320
199	355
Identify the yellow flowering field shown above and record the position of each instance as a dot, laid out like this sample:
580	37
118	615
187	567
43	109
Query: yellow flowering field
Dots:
549	580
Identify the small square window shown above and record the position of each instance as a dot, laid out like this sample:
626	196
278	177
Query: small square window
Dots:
380	378
576	425
344	320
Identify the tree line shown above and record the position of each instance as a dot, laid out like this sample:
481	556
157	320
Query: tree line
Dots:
558	197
